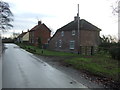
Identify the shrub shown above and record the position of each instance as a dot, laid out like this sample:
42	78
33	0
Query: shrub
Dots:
115	52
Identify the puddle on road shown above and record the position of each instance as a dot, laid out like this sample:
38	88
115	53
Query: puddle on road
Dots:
16	47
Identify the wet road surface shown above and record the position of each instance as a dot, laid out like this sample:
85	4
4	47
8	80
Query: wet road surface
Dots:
0	63
22	69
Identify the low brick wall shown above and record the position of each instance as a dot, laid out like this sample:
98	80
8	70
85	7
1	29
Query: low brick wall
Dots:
88	50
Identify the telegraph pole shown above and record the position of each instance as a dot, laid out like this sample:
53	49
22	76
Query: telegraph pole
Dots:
78	31
119	21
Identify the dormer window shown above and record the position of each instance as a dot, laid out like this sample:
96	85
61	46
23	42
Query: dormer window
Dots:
73	32
62	33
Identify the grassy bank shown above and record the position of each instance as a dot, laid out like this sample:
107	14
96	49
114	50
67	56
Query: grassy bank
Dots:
44	52
100	64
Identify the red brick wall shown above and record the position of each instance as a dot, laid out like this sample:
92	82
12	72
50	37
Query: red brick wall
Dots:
65	41
43	33
87	38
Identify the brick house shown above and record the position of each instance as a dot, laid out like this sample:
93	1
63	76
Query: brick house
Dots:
67	38
39	31
20	37
26	37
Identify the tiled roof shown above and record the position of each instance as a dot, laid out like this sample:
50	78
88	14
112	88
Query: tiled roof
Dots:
34	28
22	34
83	24
40	27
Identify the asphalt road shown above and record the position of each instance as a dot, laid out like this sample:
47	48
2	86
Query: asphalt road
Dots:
22	69
0	63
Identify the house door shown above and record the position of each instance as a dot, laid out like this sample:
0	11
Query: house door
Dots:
80	50
92	50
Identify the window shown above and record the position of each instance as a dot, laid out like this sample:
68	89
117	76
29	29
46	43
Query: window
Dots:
48	40
73	32
60	43
62	33
72	44
32	34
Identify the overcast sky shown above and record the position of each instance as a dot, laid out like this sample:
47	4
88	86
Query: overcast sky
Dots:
57	13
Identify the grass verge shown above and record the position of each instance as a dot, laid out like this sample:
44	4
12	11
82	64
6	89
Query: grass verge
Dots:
45	52
100	64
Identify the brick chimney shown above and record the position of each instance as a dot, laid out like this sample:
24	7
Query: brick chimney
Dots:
39	22
76	18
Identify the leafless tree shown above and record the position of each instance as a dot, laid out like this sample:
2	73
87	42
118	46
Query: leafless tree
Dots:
15	35
6	16
116	11
116	7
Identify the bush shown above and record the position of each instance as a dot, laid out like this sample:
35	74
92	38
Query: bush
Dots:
115	52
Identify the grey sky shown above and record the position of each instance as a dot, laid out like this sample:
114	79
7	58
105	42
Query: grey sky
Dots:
56	13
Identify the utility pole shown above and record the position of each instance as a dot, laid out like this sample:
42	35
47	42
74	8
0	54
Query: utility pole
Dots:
78	31
119	21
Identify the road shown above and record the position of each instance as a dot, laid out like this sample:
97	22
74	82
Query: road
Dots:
22	69
0	63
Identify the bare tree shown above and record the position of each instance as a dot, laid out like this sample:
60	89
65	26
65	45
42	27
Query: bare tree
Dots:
15	35
116	11
5	16
116	7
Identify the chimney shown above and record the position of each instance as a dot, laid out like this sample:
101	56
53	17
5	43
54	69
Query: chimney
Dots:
39	22
76	18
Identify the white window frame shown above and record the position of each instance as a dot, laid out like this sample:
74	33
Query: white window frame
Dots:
73	32
72	44
60	43
62	33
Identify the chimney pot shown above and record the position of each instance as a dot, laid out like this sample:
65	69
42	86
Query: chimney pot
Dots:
39	22
76	18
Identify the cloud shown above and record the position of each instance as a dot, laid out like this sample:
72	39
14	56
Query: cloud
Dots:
27	20
56	13
32	15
